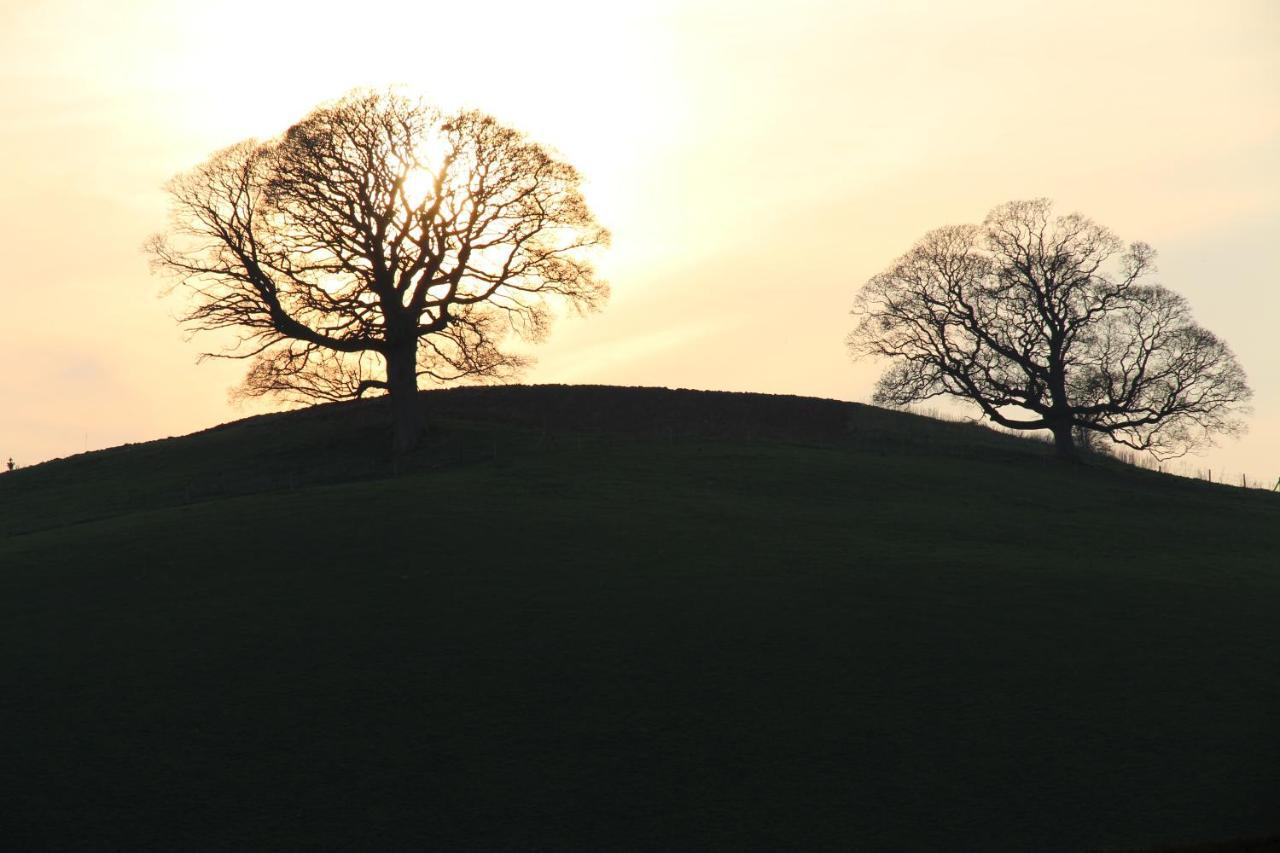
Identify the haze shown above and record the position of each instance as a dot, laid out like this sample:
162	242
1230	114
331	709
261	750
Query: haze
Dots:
755	166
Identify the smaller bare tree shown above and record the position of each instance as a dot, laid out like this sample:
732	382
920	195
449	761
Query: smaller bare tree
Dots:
1046	324
376	242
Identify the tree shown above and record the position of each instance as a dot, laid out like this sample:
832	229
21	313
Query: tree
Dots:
1047	323
378	241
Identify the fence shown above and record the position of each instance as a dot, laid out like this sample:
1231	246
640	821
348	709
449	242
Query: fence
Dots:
1176	467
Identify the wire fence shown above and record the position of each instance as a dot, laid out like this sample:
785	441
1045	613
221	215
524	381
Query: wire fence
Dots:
1098	445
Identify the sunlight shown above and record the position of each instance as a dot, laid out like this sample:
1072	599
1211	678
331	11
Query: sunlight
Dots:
607	100
417	188
733	152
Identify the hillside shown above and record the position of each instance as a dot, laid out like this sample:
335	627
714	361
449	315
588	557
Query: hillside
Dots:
631	619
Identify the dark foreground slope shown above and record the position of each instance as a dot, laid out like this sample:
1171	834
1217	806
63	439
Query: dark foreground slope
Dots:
607	619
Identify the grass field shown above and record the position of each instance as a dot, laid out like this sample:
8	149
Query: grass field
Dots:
631	620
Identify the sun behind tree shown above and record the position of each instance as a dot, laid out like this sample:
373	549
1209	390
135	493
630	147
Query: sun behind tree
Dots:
377	241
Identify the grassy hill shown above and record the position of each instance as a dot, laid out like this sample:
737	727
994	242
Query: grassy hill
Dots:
628	620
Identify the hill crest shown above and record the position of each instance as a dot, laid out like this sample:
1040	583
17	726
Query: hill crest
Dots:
345	442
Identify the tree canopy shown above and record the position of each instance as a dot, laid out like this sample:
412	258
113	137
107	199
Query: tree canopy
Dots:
377	241
1049	322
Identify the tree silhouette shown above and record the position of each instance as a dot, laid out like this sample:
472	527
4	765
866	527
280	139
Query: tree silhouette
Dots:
378	241
1045	323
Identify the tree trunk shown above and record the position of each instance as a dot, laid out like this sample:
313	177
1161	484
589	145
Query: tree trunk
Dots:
402	387
1064	445
1059	417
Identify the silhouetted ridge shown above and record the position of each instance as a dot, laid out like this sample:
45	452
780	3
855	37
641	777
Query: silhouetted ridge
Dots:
347	442
649	412
655	411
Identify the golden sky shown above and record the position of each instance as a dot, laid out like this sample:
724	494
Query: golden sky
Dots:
755	162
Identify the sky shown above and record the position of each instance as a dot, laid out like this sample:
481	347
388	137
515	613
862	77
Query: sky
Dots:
756	163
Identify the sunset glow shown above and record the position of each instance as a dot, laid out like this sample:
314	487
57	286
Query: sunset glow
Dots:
755	166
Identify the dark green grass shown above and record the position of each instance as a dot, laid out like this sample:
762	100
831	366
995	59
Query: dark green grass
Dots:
679	633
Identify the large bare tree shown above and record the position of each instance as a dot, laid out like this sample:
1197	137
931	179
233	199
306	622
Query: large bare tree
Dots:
1047	323
378	241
